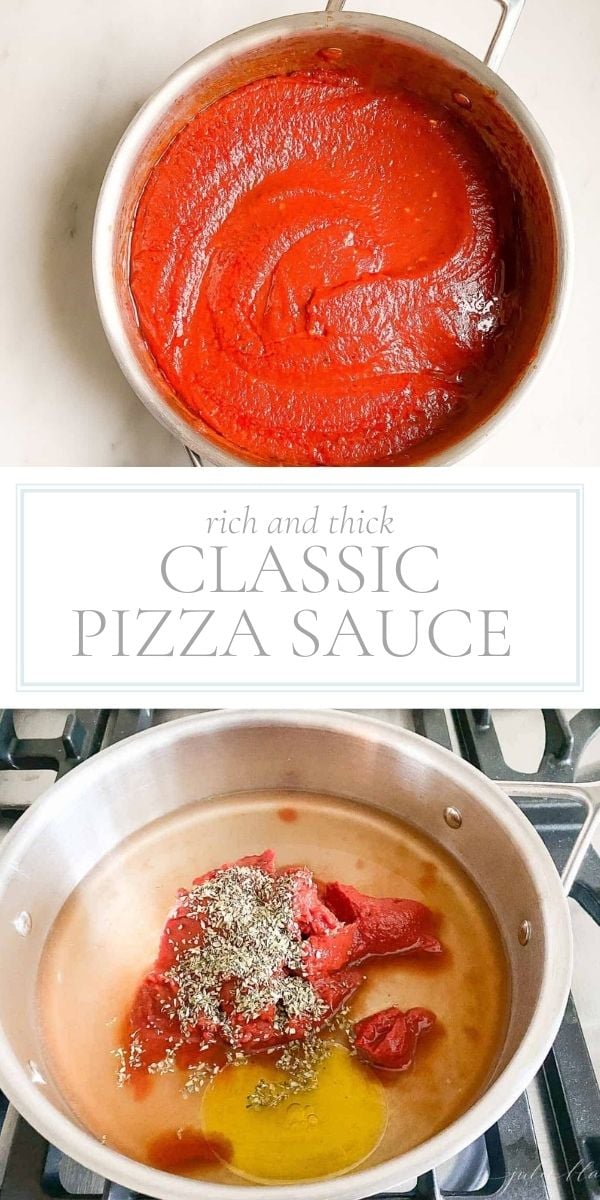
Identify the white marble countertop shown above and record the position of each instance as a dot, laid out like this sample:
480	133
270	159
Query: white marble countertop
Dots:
73	72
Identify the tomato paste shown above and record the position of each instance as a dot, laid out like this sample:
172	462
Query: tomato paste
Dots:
317	267
389	1038
187	1148
254	958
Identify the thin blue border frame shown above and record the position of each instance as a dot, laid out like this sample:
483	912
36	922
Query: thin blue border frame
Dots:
577	490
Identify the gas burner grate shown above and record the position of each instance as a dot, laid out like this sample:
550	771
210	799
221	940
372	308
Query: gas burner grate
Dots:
507	1162
564	743
84	732
82	736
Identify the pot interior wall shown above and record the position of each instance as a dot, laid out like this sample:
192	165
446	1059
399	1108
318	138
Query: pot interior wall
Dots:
103	802
385	60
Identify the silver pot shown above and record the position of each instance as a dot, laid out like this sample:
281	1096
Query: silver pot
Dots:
93	809
495	111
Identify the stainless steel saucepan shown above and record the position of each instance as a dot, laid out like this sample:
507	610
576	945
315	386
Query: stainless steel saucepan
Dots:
93	809
431	66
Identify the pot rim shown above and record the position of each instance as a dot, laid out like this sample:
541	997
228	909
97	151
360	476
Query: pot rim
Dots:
139	129
65	1132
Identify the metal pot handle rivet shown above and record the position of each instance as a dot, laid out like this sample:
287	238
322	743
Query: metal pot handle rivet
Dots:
524	934
22	923
509	19
34	1072
453	817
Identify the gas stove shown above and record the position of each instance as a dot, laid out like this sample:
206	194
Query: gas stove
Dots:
547	1147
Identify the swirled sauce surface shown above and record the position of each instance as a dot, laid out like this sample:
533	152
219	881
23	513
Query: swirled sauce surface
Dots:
317	267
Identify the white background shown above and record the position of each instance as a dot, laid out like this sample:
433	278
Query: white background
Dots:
73	74
102	549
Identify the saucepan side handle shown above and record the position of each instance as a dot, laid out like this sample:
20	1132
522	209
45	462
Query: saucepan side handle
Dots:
586	794
507	23
509	19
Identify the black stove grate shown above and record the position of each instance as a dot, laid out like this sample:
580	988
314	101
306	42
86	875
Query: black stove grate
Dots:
507	1161
84	732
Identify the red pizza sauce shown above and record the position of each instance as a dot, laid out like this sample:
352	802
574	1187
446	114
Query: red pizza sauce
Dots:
317	267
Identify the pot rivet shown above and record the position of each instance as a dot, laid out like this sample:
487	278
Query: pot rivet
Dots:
524	932
460	98
22	923
34	1072
453	817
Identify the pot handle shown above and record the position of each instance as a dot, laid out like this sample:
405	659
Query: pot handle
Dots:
586	794
509	17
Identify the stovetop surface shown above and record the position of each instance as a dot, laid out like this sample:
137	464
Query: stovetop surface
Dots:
547	1147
